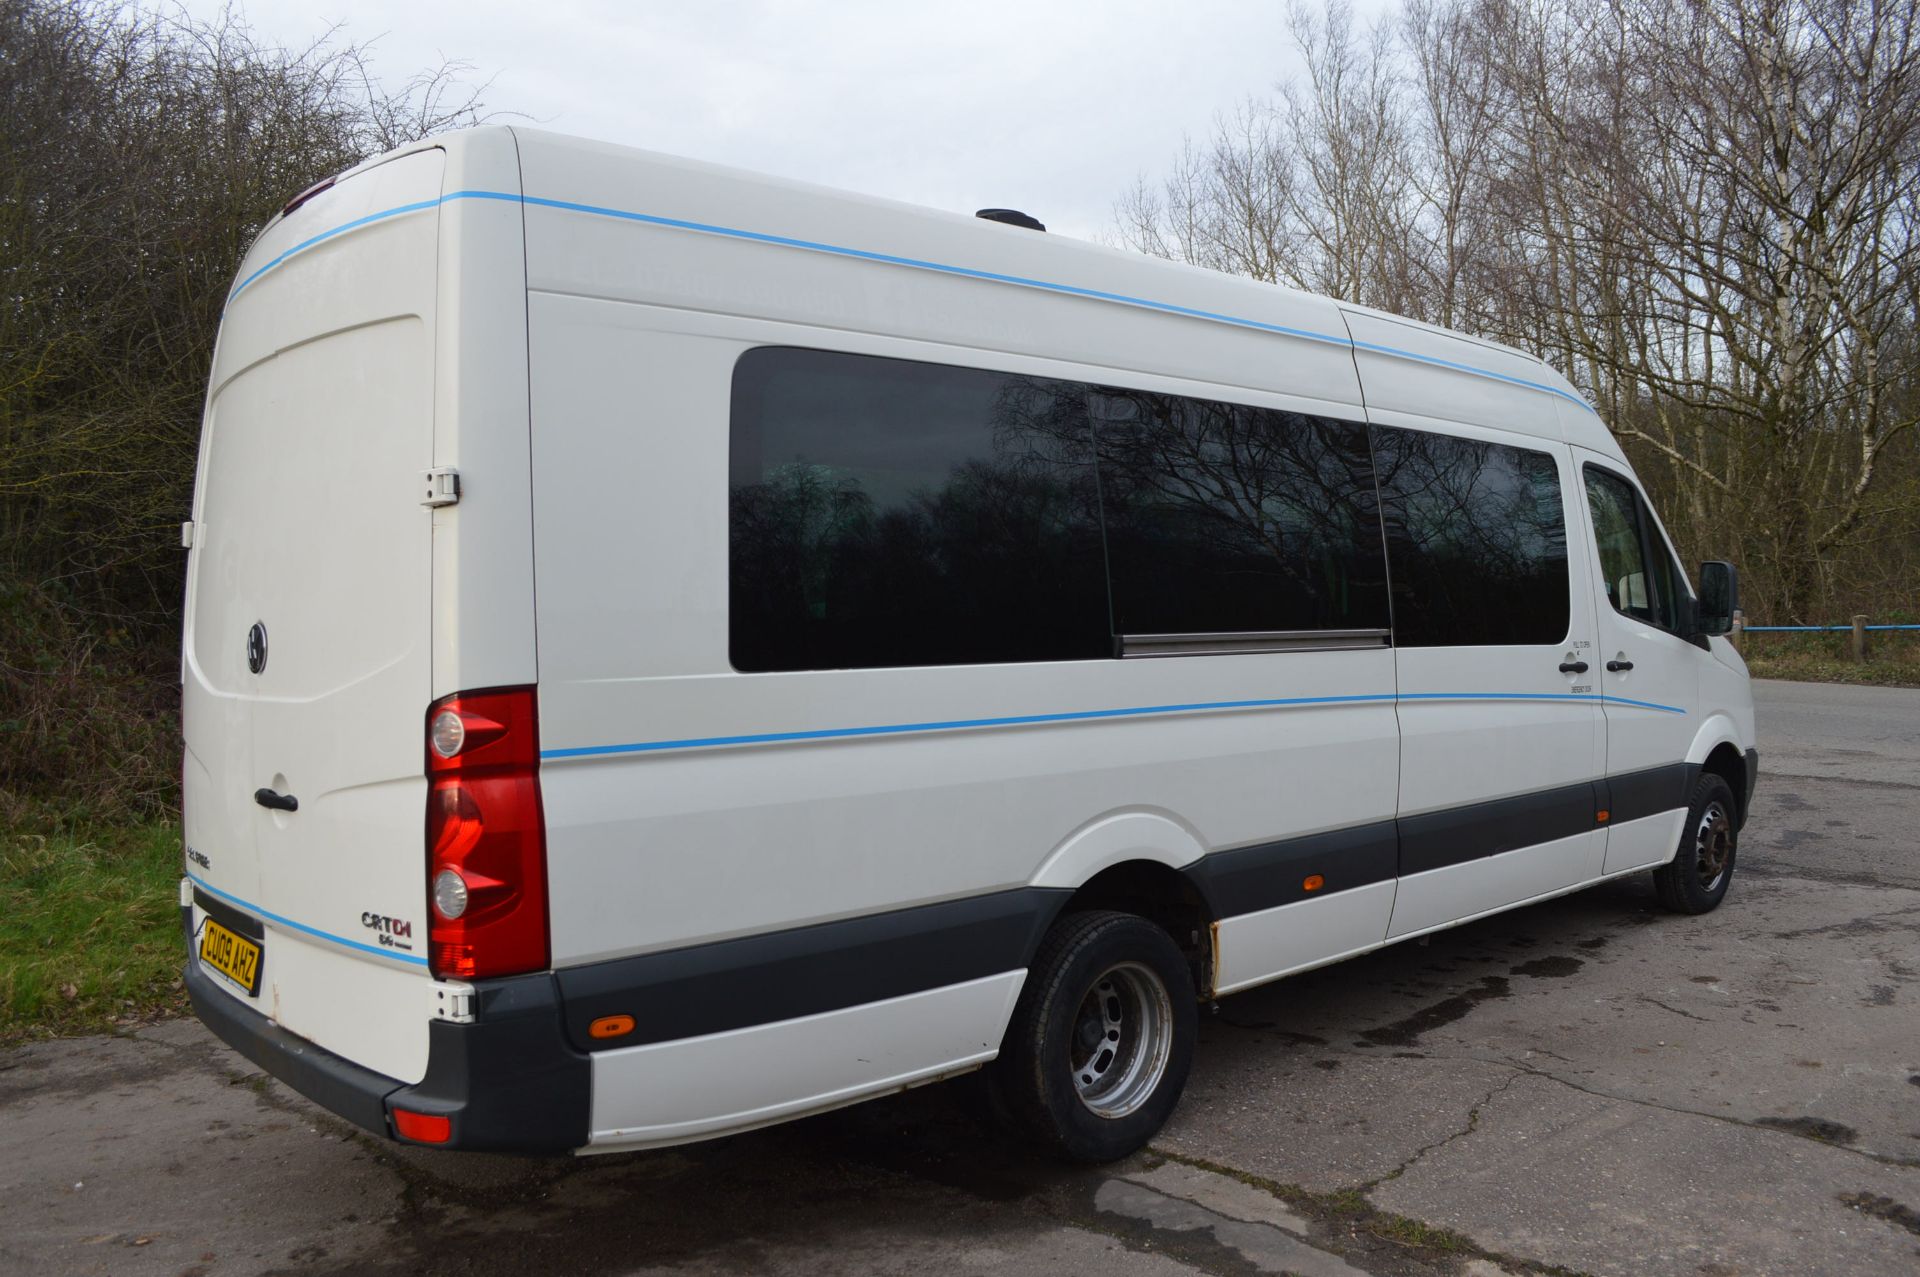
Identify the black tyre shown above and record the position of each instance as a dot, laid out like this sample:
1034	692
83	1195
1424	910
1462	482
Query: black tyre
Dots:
1101	1039
1696	880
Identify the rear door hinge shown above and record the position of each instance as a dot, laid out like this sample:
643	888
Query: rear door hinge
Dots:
443	487
453	1002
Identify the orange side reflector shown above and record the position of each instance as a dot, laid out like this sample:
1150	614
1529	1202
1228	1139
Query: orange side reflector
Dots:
1600	817
1313	883
611	1026
422	1128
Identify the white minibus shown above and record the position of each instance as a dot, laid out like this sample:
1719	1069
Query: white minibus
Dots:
670	650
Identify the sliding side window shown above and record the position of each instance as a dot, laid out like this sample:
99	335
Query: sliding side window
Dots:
1476	541
887	513
1236	528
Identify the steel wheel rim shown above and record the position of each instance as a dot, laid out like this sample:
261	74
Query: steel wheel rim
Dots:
1713	846
1121	1038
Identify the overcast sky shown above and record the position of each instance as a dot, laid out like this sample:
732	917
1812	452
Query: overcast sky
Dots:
1052	108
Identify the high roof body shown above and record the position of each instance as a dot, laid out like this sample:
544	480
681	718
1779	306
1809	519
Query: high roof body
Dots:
626	224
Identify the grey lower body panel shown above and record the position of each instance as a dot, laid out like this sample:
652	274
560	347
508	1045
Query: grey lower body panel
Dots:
506	1082
340	1086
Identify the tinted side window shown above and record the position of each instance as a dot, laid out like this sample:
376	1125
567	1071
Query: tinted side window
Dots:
887	512
1223	518
1476	541
1616	529
1640	577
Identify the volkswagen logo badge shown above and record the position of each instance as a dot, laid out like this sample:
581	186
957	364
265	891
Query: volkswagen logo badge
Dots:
257	647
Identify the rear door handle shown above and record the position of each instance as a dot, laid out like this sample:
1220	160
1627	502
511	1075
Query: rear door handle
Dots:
275	800
1573	667
1619	667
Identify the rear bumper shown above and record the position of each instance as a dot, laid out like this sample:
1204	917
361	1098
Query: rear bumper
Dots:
507	1082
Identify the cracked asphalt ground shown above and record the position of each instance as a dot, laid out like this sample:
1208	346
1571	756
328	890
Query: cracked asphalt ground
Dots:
1585	1086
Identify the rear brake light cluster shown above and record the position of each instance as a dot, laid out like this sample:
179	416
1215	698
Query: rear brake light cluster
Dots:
486	837
322	185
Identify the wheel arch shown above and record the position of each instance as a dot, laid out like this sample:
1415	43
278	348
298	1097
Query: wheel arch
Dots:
1140	863
1716	749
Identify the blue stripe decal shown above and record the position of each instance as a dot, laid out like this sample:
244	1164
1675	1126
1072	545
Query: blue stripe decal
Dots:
324	236
328	936
965	272
1664	709
1077	716
914	263
1397	353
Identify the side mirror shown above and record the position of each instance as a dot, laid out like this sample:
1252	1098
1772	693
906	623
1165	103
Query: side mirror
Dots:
1719	597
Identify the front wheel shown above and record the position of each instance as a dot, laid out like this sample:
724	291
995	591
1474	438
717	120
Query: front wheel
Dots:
1101	1039
1696	879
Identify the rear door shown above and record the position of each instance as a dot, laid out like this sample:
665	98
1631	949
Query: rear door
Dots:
308	641
1649	673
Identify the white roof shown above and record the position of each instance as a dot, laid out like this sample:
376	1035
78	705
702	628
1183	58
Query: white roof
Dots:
598	202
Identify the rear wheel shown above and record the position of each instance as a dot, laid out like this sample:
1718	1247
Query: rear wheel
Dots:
1696	880
1101	1039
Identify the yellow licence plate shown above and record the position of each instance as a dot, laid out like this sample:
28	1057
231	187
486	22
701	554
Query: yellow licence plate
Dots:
234	957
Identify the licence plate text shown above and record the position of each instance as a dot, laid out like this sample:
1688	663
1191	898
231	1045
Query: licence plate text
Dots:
234	957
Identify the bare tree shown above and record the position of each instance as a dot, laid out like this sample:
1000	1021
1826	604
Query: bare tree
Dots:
1704	212
1731	191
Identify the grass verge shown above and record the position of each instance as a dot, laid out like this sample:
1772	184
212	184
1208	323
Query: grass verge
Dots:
1893	659
89	930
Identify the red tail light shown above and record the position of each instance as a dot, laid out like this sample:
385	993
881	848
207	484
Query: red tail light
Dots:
486	837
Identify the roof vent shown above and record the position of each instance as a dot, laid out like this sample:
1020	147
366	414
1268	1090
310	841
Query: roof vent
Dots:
1012	217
